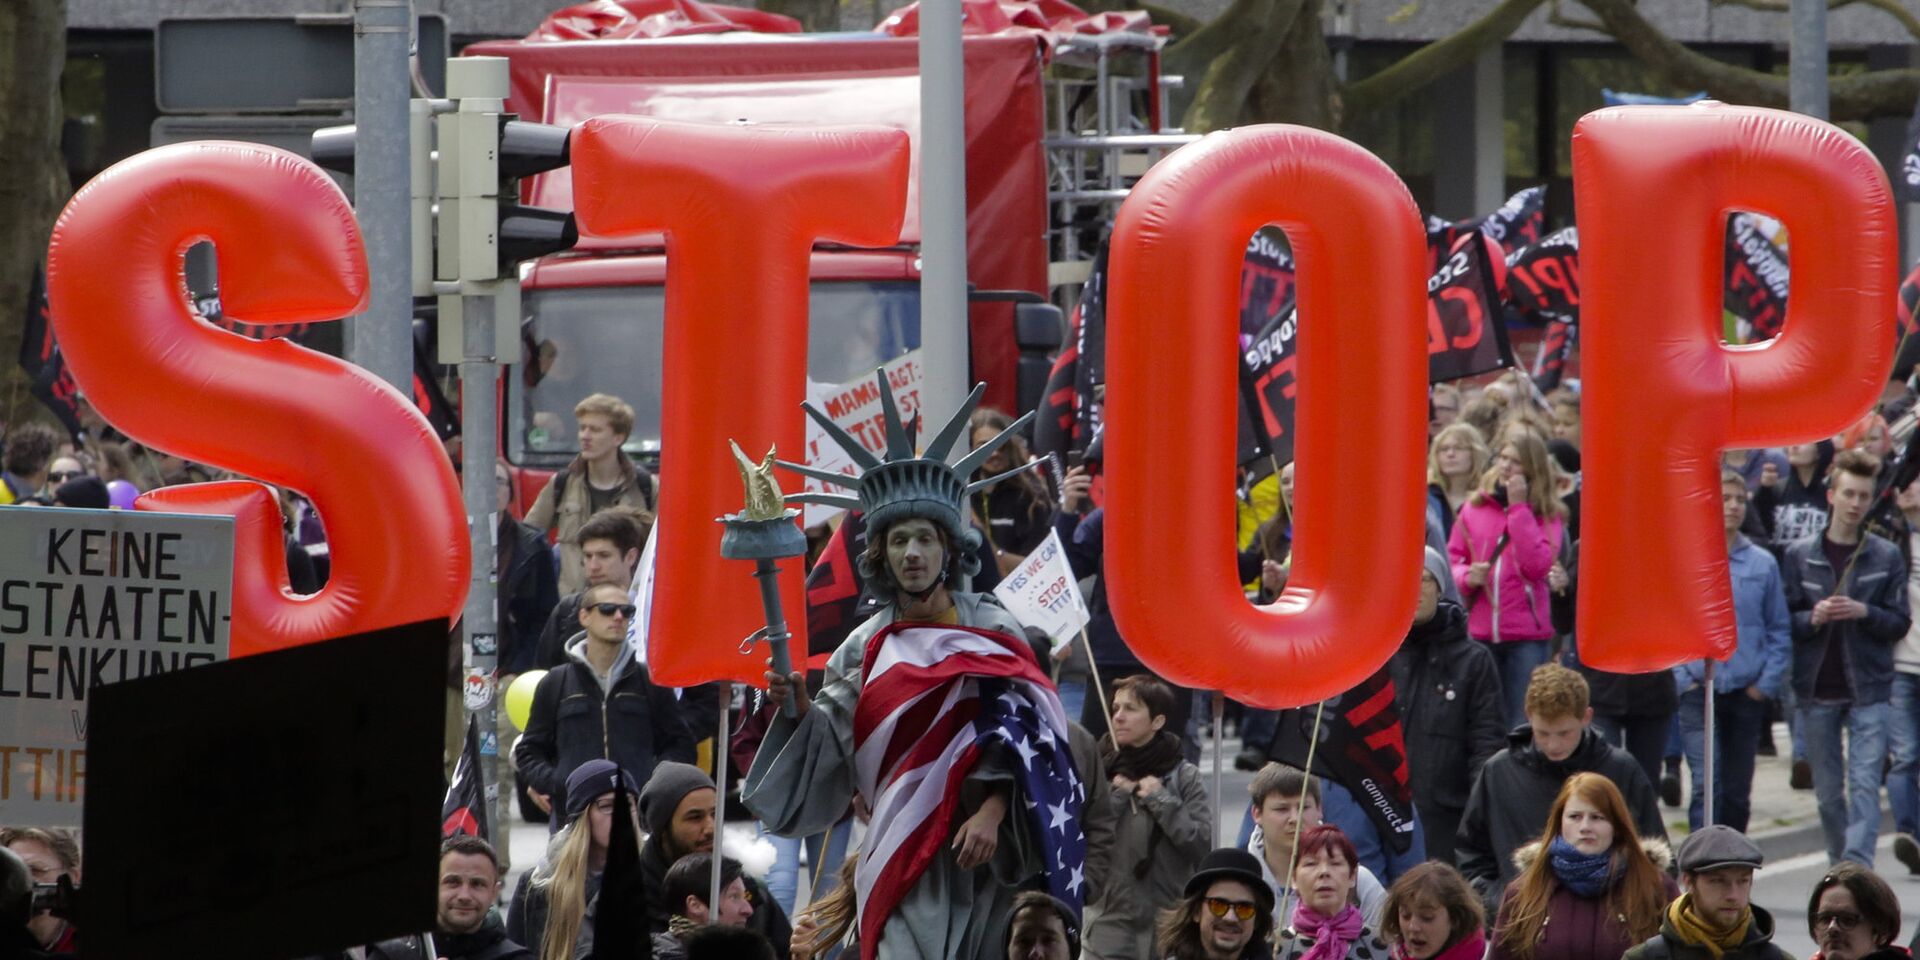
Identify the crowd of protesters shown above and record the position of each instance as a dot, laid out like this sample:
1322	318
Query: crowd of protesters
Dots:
1536	779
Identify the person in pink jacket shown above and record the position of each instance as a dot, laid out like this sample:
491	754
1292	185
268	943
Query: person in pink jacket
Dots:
1504	544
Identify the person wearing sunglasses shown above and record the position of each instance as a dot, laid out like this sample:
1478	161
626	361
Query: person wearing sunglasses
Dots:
600	704
1853	915
1226	913
1326	923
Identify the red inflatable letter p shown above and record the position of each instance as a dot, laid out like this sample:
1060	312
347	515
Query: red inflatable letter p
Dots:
1664	394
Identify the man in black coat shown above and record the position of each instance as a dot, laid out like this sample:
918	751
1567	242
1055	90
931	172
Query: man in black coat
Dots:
677	810
1515	791
600	704
466	927
1448	691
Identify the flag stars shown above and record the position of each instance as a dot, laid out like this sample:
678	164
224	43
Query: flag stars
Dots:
1076	880
1060	817
1027	752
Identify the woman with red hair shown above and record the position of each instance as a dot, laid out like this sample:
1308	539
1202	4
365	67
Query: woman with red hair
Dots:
1327	924
1590	887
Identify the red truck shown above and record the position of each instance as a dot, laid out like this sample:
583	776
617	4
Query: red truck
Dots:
1048	157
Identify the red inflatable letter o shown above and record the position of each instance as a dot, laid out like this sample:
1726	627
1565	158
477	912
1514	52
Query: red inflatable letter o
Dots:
1360	423
741	207
1663	393
289	253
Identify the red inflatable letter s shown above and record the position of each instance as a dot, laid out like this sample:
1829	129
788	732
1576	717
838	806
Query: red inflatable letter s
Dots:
1663	394
1360	422
289	252
741	207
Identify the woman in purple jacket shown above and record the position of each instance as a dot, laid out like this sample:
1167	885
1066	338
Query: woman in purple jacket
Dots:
1590	888
1502	548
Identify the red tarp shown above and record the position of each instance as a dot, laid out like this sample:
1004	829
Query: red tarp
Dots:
1044	16
644	19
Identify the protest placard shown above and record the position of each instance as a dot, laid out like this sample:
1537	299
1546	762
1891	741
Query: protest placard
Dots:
855	407
92	597
1042	593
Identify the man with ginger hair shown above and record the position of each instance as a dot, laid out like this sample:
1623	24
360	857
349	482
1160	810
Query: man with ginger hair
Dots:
1515	790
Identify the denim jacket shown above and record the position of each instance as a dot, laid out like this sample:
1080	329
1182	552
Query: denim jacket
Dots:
1764	628
1879	580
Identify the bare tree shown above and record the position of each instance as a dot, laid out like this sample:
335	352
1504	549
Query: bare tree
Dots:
33	45
1267	61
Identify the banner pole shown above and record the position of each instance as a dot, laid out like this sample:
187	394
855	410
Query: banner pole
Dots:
1219	719
720	803
1093	670
1706	812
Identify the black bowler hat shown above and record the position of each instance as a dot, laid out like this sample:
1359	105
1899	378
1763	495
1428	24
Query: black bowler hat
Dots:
1232	863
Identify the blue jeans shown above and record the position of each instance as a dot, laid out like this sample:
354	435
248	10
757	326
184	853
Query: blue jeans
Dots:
1643	738
1515	660
1257	728
1903	739
1737	722
1847	783
1342	810
783	881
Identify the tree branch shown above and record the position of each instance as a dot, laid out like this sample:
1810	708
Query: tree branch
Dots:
1431	62
1892	8
1183	26
1240	45
1880	93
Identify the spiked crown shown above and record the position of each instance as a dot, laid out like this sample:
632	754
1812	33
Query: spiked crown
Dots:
905	485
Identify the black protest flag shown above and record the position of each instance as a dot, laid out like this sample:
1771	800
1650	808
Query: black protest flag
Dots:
1266	280
1543	279
49	380
1551	364
1756	278
465	809
1267	389
427	394
1465	335
1519	222
1361	747
1907	311
1069	411
620	920
834	588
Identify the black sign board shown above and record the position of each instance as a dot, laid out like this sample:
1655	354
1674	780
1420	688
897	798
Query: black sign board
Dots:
228	802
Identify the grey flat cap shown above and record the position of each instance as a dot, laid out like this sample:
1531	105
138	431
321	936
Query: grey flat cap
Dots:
1717	846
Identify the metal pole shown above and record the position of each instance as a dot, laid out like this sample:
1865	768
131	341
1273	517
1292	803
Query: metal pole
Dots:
1707	754
943	211
720	803
1219	718
381	340
1807	58
478	432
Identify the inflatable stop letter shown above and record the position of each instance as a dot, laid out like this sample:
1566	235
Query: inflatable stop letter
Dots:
289	252
1663	394
1360	423
741	207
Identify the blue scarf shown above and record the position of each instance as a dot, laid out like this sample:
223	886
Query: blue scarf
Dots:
1587	874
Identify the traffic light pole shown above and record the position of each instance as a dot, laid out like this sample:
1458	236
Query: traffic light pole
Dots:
381	340
479	431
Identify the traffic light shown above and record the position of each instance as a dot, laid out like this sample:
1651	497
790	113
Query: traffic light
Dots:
470	231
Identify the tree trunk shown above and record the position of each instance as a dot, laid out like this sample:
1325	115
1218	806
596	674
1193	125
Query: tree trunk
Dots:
33	51
815	16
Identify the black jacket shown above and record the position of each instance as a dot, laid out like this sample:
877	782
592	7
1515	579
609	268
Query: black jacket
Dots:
550	650
1669	945
1448	691
573	720
1515	791
1879	580
487	943
528	591
767	918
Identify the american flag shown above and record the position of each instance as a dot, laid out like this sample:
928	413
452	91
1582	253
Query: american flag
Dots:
935	697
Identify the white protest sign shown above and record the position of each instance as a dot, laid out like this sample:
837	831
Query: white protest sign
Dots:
641	594
855	407
89	597
1042	592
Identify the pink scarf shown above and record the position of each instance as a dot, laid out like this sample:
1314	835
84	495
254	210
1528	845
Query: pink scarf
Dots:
1472	948
1330	935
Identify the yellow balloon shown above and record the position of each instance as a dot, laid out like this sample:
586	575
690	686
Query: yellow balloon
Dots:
520	697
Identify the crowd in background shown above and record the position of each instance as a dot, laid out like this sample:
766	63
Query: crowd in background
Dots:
1536	779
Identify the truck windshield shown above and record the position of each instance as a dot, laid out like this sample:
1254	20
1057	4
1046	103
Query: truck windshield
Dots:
607	340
